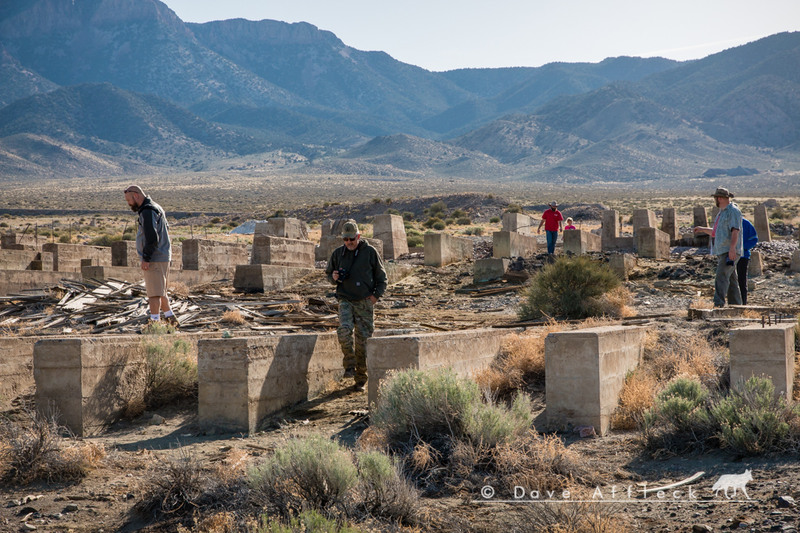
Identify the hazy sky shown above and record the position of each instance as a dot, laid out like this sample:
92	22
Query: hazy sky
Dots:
448	34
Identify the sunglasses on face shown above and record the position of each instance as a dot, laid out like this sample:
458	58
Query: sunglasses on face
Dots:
348	239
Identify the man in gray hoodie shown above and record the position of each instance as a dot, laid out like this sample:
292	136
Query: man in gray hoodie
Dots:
155	251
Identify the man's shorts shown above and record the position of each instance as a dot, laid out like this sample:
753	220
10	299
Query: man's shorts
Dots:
155	279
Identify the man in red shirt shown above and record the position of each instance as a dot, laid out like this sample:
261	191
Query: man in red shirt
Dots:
553	223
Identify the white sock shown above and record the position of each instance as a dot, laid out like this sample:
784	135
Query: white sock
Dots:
169	314
154	317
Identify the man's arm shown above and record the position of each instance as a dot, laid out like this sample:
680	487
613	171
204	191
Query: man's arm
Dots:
379	275
539	230
703	229
734	240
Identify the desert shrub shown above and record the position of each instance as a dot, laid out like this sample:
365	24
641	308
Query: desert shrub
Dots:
449	221
437	207
578	517
432	221
463	221
313	471
458	213
679	419
753	419
476	230
494	220
415	241
409	216
570	287
34	449
436	406
514	208
216	220
66	239
383	489
306	522
392	211
175	486
440	225
169	373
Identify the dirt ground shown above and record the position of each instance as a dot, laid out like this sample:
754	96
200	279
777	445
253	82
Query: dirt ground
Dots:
440	298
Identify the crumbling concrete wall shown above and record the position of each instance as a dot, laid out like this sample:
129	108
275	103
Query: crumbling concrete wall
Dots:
68	257
465	351
511	244
204	254
287	228
610	236
11	259
14	281
16	367
517	223
764	351
123	254
585	371
391	230
442	249
242	380
270	250
580	242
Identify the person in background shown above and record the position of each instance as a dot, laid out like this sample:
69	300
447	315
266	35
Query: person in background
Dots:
750	239
357	271
569	224
552	219
155	251
727	235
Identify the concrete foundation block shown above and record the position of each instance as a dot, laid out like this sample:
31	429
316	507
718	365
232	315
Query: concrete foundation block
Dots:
764	351
511	244
610	227
518	223
16	367
465	351
585	371
622	265
669	224
442	249
392	231
490	269
755	267
260	278
643	218
123	254
242	380
204	254
270	250
287	228
761	223
89	381
580	242
652	243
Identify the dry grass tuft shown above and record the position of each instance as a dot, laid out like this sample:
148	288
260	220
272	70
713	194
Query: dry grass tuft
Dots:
682	355
233	316
521	360
180	289
616	303
371	439
232	467
701	303
637	396
573	517
423	457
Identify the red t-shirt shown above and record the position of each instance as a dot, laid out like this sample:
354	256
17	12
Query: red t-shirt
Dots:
551	219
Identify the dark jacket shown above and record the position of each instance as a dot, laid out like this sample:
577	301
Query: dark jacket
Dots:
364	272
750	237
152	237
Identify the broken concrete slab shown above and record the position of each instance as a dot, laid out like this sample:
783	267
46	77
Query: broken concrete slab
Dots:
585	371
442	249
287	228
766	351
465	352
13	281
242	380
622	265
755	267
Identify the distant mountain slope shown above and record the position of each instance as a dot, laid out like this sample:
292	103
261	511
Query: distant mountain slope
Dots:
319	67
17	81
139	45
108	120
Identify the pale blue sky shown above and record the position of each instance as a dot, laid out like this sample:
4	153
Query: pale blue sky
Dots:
448	34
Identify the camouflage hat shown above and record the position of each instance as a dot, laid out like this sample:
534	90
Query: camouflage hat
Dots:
350	229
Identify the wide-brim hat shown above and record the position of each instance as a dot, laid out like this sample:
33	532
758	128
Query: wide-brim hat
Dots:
553	204
722	192
350	229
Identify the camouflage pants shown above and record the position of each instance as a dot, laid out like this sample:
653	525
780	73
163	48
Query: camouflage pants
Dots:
356	324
